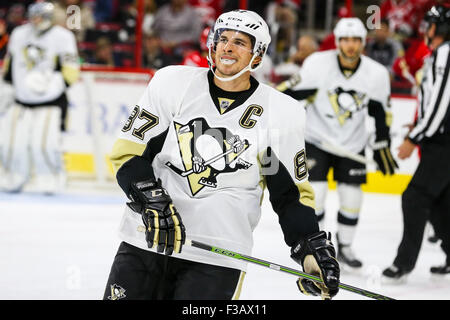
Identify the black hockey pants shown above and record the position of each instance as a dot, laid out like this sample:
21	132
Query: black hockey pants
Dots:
139	274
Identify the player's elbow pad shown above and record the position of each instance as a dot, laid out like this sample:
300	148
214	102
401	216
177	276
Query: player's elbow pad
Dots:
70	74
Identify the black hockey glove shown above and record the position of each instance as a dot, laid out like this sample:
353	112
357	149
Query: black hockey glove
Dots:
163	225
383	157
317	256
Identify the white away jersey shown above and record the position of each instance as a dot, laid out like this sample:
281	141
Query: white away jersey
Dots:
338	111
177	120
34	62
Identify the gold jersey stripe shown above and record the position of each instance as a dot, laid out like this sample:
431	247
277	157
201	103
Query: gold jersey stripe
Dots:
70	73
237	292
123	150
306	194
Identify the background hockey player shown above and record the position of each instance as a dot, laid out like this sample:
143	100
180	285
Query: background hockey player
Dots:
194	158
6	101
41	62
428	193
342	86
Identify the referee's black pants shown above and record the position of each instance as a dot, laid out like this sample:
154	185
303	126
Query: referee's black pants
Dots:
427	198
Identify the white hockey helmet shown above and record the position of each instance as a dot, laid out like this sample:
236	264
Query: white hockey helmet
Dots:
350	27
44	10
247	22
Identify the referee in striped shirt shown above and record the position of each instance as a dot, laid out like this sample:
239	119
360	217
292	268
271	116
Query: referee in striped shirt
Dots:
428	194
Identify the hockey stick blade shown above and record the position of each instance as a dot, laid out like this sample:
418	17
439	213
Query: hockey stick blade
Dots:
281	268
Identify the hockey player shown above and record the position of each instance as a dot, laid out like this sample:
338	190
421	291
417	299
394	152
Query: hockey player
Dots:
428	193
342	86
41	62
194	158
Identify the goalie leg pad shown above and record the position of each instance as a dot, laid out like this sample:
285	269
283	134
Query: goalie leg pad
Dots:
46	140
15	137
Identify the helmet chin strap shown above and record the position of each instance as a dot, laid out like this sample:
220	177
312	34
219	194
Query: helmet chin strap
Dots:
237	75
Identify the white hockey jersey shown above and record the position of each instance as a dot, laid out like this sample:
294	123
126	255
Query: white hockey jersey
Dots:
183	115
338	110
36	61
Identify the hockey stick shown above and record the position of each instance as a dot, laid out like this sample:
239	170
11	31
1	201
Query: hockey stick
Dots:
332	148
188	172
206	163
281	268
341	152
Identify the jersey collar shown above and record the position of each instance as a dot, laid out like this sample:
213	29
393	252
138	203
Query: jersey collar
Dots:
227	100
346	72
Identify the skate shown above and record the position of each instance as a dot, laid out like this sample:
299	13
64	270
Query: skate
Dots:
394	275
346	256
440	270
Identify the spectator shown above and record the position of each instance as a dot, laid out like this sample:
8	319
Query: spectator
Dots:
179	27
104	10
87	20
258	6
150	10
208	10
104	54
128	18
404	15
306	45
282	20
3	38
198	57
383	48
15	17
153	55
406	67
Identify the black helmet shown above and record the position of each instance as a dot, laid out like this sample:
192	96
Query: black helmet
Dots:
439	15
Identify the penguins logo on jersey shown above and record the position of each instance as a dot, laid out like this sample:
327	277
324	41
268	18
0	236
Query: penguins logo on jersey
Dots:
207	152
117	292
345	103
33	55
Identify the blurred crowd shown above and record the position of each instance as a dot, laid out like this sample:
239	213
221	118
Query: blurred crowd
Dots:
174	32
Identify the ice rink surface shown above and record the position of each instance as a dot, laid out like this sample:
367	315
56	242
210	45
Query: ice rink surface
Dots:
61	247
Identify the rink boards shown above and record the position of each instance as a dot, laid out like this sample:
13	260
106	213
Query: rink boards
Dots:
100	104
